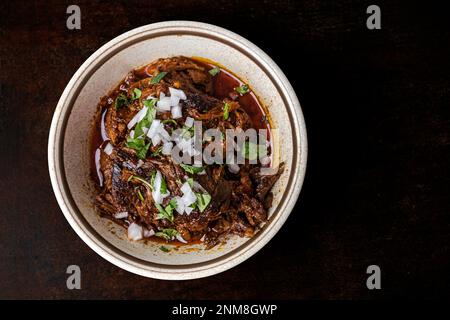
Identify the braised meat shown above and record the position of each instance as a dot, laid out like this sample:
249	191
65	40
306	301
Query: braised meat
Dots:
145	188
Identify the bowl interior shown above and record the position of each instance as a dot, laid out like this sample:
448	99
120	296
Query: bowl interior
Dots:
110	68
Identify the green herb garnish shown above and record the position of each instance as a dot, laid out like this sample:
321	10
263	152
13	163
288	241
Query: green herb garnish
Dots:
187	132
120	101
167	212
191	169
167	234
136	94
163	214
203	200
163	185
135	143
152	180
139	145
139	130
150	103
146	183
190	182
146	122
242	89
142	153
140	195
157	151
214	71
226	111
252	151
164	249
169	121
138	142
156	79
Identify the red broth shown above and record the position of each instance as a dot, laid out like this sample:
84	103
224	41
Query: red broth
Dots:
224	83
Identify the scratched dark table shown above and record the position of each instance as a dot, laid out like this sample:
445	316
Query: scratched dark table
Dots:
376	104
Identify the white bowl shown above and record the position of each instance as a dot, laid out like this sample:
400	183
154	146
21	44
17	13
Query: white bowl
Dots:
69	153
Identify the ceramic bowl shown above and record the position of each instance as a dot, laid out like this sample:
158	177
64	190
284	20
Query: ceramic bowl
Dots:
69	153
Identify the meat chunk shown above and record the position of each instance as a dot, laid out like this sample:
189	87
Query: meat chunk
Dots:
253	209
264	182
200	102
198	76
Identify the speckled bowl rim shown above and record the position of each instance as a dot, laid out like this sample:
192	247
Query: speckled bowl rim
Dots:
94	240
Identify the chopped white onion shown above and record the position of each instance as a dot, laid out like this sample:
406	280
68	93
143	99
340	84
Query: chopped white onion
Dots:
139	164
188	210
144	130
189	122
184	202
135	232
234	168
186	188
174	100
156	193
154	128
103	128
177	93
97	166
156	139
188	146
132	134
157	197
180	238
121	215
167	148
188	197
138	117
176	112
180	205
148	233
202	239
164	104
164	134
176	135
198	187
108	149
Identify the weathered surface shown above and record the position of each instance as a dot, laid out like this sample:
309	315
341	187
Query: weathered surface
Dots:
377	186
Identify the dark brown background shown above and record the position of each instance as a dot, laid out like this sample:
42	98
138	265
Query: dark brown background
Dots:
376	105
